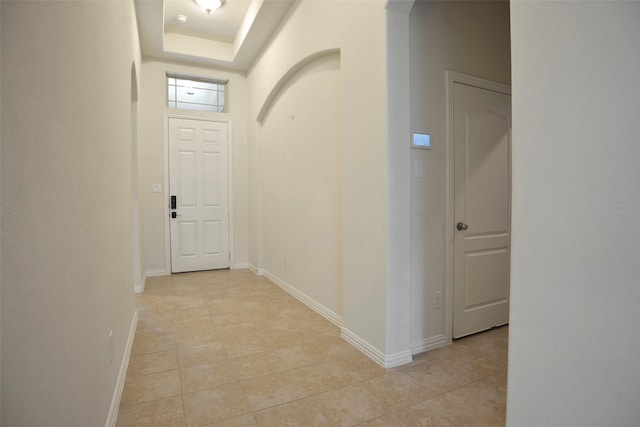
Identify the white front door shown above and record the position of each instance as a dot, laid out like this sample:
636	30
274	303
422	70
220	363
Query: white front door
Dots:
482	186
198	182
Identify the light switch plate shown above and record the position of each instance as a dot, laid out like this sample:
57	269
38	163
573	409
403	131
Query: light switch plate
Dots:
156	188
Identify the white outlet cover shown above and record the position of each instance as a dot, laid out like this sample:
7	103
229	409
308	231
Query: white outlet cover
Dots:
437	299
156	188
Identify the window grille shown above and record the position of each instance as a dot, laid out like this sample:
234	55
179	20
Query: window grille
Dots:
196	93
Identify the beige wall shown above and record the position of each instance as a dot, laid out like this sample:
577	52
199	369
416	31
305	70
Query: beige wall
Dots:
574	347
466	37
358	31
374	205
0	221
301	183
67	274
153	108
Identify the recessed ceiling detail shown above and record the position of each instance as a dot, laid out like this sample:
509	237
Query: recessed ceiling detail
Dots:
221	25
228	37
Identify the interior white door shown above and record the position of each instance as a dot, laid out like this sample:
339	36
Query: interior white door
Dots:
482	164
198	179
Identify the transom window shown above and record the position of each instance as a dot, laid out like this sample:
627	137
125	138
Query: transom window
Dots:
196	93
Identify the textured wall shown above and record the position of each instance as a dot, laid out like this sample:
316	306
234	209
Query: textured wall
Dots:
574	355
358	31
302	183
67	276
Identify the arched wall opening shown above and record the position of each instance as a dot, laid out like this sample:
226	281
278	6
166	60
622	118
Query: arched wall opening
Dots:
300	184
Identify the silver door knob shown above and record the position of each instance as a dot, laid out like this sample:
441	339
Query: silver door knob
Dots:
461	226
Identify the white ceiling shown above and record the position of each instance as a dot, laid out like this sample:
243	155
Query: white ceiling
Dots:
221	25
230	37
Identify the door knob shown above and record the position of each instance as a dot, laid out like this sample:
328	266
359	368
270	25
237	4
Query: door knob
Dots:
461	226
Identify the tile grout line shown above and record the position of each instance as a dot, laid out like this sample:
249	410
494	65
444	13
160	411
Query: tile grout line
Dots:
273	303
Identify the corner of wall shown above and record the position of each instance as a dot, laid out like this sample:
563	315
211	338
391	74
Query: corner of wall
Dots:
385	360
122	373
323	311
140	288
398	301
255	270
0	216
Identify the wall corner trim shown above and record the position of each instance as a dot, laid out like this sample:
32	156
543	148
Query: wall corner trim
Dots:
240	266
140	288
306	300
153	273
255	270
430	343
382	359
117	393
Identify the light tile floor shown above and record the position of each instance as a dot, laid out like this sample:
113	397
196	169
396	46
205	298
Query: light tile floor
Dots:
228	348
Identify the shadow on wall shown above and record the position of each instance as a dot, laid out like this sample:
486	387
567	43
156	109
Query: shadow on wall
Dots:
293	74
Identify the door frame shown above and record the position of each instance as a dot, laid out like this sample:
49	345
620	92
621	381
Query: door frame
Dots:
165	194
452	78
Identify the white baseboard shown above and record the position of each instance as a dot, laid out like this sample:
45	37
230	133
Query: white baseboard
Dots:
306	300
240	266
117	393
398	359
429	344
140	289
152	273
255	270
382	359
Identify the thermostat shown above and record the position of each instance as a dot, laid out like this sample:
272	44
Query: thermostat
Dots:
421	140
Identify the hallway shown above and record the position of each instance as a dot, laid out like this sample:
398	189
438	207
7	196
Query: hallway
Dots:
228	348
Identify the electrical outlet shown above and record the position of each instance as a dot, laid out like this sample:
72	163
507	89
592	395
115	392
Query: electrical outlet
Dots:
111	346
437	299
284	262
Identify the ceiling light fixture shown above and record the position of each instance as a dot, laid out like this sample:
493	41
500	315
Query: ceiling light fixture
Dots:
209	5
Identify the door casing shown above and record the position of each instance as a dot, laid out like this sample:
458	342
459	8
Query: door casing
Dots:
454	77
165	192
